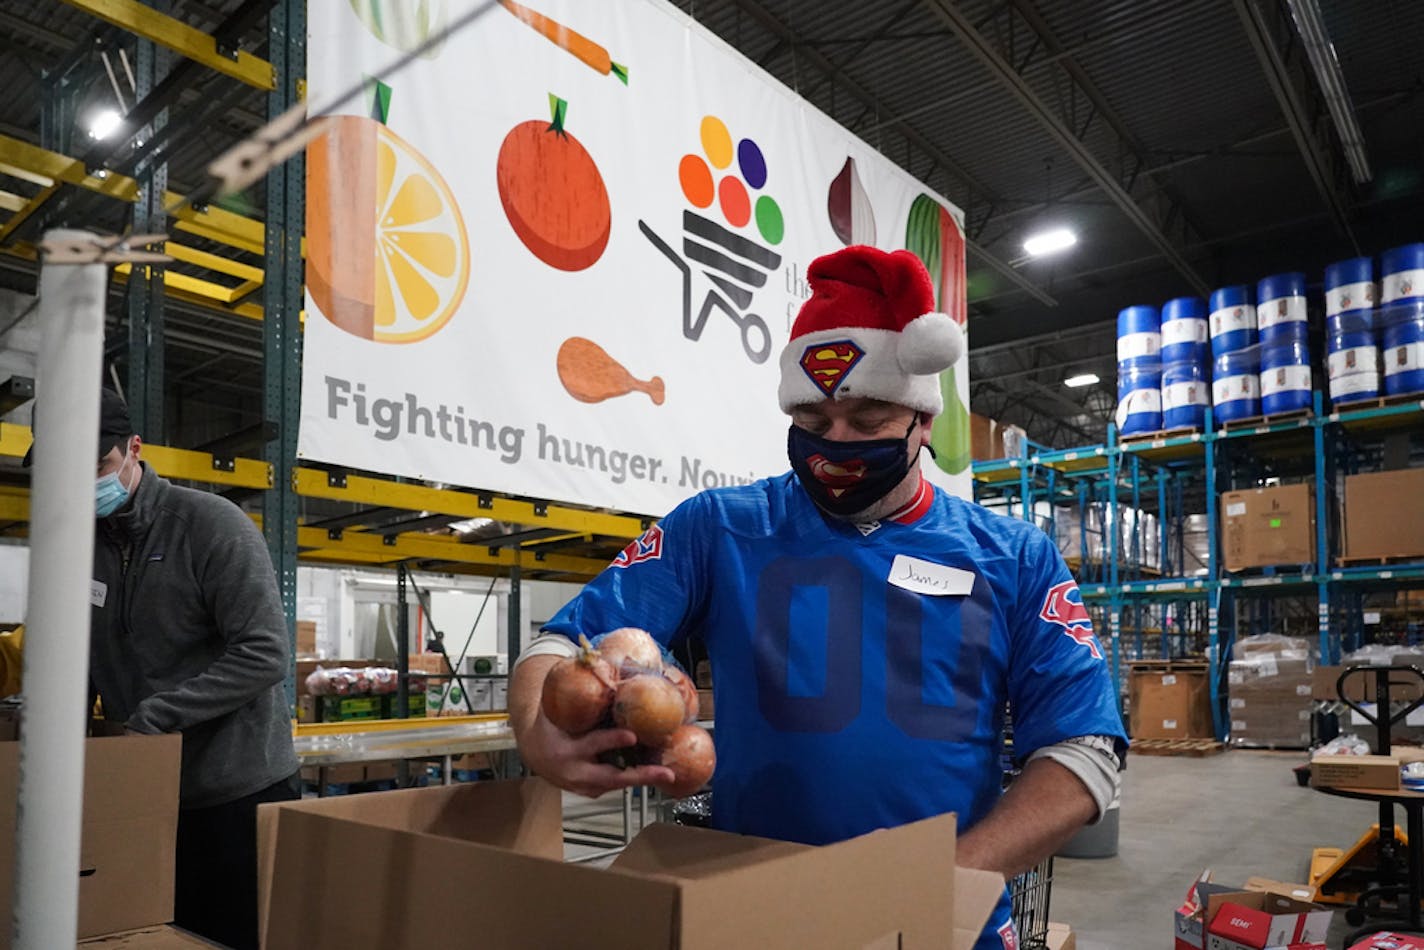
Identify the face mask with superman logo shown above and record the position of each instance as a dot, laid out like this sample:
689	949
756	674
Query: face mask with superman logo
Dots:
846	477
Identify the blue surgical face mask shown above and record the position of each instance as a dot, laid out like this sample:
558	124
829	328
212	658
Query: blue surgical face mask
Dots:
847	477
109	494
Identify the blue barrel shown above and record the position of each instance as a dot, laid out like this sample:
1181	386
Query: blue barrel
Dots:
1402	273
1280	308
1185	394
1353	371
1402	333
1349	285
1184	333
1351	328
1351	346
1232	320
1139	335
1285	377
1236	385
1139	399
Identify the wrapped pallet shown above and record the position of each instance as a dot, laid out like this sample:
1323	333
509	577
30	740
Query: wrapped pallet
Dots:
1269	690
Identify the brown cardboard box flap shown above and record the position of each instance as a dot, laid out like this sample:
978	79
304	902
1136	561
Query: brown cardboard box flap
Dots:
405	898
130	824
675	887
843	901
523	816
692	854
975	894
149	938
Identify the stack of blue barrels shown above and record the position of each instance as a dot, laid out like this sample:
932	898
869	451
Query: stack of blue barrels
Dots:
1351	345
1402	319
1186	383
1236	381
1139	370
1285	347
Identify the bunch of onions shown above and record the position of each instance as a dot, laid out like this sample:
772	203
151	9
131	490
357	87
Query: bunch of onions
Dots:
625	684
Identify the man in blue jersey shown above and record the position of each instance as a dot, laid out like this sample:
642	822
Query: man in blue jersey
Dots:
865	630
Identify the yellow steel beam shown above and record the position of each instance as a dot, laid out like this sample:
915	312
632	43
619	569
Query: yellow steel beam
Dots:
378	491
20	159
45	168
198	467
10	201
206	289
181	38
23	215
416	544
14	507
250	311
218	224
166	461
14	440
223	265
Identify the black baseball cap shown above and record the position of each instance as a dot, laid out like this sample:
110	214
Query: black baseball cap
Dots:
114	425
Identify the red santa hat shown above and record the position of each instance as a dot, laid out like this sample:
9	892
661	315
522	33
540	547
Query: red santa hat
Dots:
868	330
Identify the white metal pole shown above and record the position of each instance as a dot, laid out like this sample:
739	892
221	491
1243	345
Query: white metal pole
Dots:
56	676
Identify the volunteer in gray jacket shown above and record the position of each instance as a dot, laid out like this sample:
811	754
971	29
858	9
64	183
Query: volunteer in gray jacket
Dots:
189	636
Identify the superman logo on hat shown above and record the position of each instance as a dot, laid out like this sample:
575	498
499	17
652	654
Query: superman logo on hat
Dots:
827	364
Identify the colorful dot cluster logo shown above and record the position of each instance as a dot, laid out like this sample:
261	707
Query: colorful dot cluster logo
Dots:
725	181
731	193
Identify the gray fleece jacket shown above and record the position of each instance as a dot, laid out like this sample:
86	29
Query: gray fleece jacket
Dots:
189	636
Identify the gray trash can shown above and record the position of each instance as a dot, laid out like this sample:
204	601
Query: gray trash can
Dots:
1096	841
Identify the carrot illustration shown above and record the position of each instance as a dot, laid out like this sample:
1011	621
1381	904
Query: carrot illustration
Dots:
587	51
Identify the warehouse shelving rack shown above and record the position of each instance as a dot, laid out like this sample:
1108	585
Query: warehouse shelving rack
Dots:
1163	473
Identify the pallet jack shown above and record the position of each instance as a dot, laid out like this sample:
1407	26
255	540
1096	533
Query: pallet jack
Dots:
1375	869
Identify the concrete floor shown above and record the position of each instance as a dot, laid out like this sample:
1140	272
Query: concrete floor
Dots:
1239	813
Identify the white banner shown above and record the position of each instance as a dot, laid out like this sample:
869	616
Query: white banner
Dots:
558	255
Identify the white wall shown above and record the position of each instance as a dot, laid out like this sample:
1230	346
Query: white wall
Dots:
14	581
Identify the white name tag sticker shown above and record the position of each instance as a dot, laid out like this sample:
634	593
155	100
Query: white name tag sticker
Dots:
927	577
98	593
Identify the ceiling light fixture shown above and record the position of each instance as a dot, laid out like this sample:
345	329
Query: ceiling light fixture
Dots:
1326	65
1049	242
104	124
1081	380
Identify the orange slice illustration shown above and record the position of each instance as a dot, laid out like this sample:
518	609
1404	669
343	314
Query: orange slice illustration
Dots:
388	258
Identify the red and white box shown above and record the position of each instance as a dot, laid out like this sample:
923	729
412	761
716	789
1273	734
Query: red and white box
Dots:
1385	940
1254	920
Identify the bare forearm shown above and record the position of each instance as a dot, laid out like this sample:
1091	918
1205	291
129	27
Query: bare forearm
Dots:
1043	808
526	687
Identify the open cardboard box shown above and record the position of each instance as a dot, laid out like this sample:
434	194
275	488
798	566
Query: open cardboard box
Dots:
493	852
126	855
1262	920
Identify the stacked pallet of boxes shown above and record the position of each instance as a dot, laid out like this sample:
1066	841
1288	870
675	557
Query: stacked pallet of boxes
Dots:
1269	682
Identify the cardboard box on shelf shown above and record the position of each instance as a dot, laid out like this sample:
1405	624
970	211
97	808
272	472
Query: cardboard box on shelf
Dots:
306	638
130	824
983	446
675	886
1355	771
1260	920
1383	514
1167	701
1265	527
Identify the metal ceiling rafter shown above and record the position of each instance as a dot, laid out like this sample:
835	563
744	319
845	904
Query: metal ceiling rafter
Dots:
1290	84
183	39
1152	210
839	79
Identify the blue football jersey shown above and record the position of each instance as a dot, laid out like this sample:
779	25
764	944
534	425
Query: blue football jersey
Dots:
861	671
